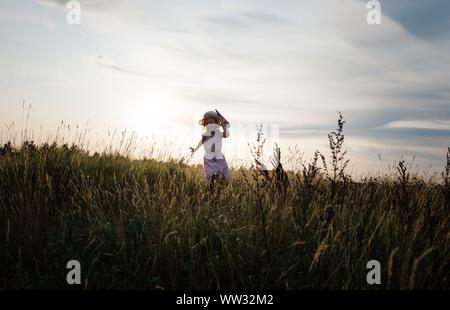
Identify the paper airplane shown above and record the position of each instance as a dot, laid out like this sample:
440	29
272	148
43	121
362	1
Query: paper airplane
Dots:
223	119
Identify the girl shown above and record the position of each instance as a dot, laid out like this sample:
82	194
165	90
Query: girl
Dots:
215	164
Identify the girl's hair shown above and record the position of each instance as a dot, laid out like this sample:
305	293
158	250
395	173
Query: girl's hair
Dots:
210	114
216	120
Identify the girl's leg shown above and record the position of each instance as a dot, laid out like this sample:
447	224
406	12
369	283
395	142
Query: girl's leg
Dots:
216	171
225	173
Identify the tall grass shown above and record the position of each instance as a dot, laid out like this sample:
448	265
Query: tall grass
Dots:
153	224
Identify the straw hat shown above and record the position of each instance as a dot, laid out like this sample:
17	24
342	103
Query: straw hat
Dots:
209	114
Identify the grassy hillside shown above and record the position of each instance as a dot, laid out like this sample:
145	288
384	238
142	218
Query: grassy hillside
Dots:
151	224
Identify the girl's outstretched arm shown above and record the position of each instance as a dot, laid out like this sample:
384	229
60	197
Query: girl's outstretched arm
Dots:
226	130
200	143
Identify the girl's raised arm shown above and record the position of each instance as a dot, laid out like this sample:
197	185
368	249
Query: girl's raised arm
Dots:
226	130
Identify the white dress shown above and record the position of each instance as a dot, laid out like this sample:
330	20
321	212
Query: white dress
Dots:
213	141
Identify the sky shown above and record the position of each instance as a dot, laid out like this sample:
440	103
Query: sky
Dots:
154	67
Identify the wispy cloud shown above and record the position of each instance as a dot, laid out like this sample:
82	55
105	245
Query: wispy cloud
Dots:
107	63
52	3
434	124
214	97
228	21
174	30
263	17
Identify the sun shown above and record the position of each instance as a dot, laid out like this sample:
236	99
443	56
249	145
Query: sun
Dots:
150	112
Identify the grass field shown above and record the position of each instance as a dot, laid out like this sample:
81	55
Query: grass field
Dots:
153	224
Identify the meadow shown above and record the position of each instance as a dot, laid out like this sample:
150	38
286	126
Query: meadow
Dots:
152	224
